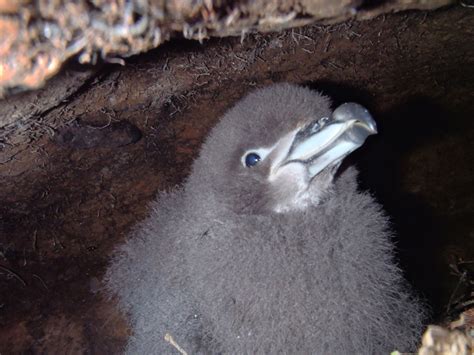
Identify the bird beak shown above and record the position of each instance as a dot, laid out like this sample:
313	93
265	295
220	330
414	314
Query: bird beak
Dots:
328	140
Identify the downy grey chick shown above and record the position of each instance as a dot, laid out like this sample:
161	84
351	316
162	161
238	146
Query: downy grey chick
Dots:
263	250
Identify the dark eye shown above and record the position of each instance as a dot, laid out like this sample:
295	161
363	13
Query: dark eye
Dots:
252	159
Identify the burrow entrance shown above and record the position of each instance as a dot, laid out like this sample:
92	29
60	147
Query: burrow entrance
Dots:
71	194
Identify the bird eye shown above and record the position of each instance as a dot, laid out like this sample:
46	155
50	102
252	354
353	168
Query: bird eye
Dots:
252	159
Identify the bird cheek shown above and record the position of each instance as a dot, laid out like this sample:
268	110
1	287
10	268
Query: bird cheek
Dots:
293	174
288	184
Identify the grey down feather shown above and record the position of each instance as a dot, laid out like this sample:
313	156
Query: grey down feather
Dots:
221	272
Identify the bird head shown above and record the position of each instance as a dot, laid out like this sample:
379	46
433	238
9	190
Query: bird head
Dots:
278	150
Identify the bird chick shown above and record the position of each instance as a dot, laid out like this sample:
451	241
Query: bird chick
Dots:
263	249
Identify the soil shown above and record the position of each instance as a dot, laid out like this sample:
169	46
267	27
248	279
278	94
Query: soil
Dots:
38	37
66	205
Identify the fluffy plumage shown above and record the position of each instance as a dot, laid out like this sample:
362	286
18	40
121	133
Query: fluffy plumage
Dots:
223	270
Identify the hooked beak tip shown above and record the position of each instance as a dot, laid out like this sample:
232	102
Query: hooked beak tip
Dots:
353	111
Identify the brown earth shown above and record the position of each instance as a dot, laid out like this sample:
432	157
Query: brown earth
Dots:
72	194
38	36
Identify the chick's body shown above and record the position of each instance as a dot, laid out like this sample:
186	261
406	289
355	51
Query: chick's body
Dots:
221	269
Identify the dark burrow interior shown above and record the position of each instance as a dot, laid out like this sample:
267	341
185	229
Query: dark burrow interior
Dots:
71	195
